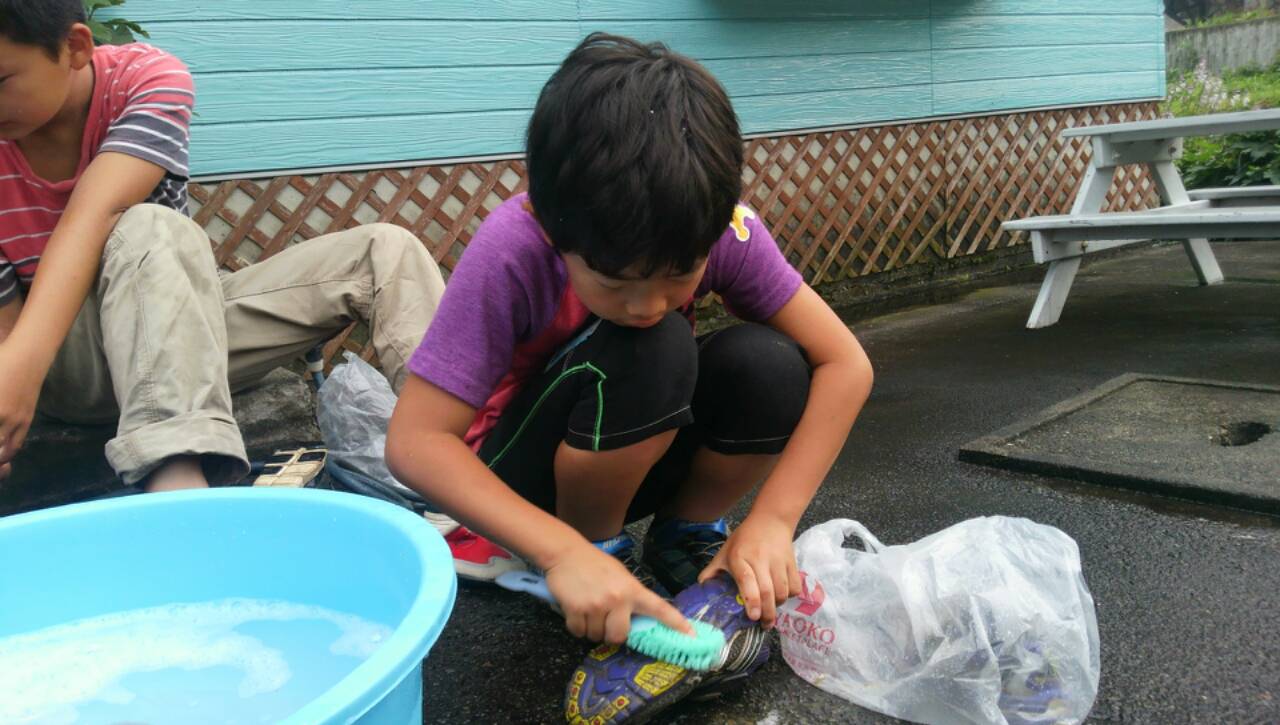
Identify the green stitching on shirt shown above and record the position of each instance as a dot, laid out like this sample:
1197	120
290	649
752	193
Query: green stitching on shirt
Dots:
595	441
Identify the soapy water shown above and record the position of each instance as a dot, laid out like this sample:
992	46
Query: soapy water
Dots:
231	660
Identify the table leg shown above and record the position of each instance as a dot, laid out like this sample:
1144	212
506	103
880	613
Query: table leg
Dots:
1062	272
1169	184
1203	261
1053	292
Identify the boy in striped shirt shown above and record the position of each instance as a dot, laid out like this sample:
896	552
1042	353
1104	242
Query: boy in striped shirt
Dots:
111	306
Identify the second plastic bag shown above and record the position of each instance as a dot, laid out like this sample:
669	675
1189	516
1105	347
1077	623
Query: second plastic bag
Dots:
988	621
354	406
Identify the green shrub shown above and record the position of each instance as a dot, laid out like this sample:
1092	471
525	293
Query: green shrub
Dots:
112	31
1260	86
1238	16
1243	159
1247	159
1200	91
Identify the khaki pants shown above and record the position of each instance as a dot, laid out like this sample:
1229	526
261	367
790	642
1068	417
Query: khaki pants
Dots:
162	340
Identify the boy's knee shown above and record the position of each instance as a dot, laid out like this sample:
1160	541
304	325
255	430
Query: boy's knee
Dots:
662	355
143	217
647	376
391	234
757	371
394	247
754	354
145	226
394	240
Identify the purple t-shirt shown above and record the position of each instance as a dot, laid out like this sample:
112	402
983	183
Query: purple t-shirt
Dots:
507	288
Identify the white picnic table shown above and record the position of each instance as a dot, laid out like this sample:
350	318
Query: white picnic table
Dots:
1192	216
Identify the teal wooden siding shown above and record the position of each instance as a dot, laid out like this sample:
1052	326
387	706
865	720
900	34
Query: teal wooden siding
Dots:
295	84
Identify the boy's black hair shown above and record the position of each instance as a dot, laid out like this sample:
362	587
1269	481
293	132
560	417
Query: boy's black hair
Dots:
635	157
42	23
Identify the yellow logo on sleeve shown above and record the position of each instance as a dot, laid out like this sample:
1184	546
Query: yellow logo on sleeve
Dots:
740	216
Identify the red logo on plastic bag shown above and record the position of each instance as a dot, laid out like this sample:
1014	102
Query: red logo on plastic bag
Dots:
810	599
798	627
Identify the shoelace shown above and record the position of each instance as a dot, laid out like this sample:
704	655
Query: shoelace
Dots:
637	569
703	545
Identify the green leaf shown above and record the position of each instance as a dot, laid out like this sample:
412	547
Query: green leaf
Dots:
101	33
113	31
121	35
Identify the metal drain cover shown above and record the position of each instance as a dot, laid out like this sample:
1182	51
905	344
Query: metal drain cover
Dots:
1207	440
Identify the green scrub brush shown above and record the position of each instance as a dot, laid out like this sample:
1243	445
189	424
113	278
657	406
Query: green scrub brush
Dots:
702	651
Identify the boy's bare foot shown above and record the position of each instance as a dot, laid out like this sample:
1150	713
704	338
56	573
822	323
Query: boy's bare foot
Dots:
176	474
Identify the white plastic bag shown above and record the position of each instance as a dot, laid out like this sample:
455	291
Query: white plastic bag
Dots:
354	406
988	621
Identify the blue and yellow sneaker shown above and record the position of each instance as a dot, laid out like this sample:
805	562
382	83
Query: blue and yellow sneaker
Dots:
677	551
614	684
1032	692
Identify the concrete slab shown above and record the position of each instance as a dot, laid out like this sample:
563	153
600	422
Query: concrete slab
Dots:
1204	440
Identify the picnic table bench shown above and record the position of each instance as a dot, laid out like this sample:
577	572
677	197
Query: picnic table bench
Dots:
1192	216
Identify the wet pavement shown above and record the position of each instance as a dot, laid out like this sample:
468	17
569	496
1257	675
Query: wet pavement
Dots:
1186	593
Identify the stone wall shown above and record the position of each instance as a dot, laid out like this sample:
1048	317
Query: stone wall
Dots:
1255	43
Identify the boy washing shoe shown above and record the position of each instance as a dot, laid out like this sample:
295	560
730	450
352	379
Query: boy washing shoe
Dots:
561	392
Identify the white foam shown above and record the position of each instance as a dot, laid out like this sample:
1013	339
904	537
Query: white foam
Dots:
46	673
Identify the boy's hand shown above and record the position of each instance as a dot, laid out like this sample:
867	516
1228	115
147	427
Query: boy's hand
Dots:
598	596
19	392
760	557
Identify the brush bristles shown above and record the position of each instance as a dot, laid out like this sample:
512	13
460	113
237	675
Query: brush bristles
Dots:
699	652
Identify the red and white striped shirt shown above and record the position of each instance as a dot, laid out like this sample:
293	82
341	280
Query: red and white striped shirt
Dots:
141	106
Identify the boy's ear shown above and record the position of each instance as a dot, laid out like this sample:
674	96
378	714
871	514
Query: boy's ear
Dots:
79	45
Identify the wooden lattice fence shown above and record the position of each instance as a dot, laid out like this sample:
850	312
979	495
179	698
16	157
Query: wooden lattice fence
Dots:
841	203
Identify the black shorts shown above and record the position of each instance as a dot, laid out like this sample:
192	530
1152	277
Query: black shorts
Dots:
738	390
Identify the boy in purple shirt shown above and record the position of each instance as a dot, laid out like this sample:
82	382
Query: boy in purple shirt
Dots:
560	391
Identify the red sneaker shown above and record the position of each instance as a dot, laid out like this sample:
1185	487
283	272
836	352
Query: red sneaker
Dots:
474	557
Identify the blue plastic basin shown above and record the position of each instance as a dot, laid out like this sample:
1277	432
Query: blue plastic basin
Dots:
338	551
